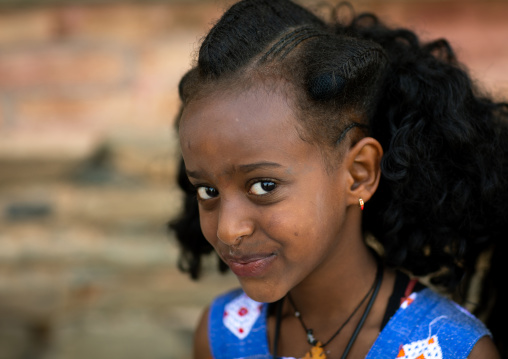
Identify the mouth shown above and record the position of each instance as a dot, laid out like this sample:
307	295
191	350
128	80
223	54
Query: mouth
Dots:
250	265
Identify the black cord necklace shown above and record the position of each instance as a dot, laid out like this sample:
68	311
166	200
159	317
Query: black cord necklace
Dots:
310	337
317	346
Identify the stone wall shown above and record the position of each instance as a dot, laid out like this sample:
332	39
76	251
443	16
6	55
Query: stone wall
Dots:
87	101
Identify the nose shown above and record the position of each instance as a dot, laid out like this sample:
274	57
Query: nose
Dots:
234	223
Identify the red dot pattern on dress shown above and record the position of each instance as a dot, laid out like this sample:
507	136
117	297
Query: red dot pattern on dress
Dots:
241	314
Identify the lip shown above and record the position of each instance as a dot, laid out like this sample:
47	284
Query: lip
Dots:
250	265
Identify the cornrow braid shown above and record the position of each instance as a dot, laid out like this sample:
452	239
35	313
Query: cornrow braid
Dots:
298	41
292	39
349	128
351	67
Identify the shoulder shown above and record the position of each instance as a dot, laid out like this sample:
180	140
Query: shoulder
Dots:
426	324
453	316
445	326
485	348
201	344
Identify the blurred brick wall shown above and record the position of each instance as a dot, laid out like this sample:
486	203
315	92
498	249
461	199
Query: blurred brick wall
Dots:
88	94
77	77
99	65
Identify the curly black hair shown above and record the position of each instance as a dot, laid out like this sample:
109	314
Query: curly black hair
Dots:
442	198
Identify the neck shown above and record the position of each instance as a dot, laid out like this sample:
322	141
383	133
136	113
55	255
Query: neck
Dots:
336	288
328	297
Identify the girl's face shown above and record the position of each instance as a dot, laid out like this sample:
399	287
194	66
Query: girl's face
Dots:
269	204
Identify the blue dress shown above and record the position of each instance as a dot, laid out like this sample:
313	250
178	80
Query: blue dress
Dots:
426	325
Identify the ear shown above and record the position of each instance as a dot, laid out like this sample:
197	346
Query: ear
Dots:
363	170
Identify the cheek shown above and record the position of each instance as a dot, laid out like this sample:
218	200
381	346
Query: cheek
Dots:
302	242
292	225
208	226
309	223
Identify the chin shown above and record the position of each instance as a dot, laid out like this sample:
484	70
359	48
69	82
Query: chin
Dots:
263	293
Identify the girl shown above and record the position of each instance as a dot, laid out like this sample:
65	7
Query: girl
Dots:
303	138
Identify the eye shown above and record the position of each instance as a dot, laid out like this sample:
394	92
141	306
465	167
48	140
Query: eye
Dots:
205	193
262	187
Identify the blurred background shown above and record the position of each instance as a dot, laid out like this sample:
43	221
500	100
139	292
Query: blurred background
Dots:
88	96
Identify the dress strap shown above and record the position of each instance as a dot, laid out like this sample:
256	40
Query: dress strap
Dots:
402	289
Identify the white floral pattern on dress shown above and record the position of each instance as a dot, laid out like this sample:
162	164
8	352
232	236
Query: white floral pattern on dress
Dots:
427	348
240	315
422	349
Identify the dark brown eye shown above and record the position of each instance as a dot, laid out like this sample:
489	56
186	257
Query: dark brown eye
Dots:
262	187
205	193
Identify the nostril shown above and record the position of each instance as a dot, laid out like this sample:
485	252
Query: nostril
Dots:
236	244
233	237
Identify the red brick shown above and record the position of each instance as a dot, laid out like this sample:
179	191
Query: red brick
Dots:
169	57
23	145
127	23
49	110
60	66
26	26
129	107
119	22
197	15
477	31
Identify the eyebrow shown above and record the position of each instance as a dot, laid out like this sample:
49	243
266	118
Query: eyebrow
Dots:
194	174
254	166
243	168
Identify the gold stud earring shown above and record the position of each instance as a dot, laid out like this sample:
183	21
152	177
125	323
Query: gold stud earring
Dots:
361	203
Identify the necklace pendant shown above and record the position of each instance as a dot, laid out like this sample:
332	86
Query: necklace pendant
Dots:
310	337
316	352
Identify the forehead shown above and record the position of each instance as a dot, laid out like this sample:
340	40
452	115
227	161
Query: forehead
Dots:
256	113
221	135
